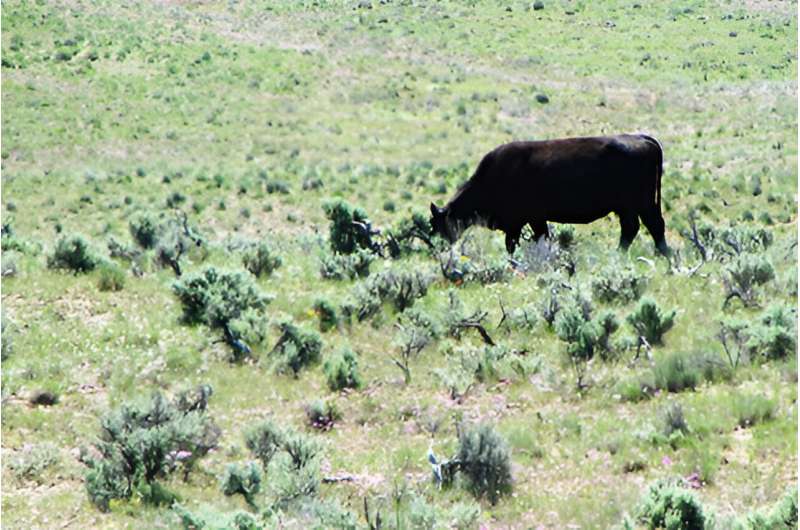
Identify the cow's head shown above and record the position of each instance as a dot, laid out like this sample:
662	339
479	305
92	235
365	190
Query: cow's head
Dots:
443	224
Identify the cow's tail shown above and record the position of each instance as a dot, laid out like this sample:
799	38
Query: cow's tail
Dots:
659	169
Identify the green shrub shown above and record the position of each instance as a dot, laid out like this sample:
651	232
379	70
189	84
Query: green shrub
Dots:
750	410
141	442
346	266
216	298
328	316
650	322
674	421
112	277
742	276
399	287
782	516
402	237
618	284
296	348
772	336
585	336
341	370
669	506
244	481
73	253
322	415
675	372
484	458
264	440
350	228
144	230
260	260
33	460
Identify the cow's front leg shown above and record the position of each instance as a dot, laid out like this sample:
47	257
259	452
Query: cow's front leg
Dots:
540	230
512	238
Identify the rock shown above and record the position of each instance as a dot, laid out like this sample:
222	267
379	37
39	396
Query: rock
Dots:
538	5
541	98
732	34
43	398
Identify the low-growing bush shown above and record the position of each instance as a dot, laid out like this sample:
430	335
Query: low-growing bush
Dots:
399	287
322	415
618	284
674	421
296	348
676	371
144	230
341	370
484	458
260	259
350	228
346	266
141	442
245	481
772	336
743	275
781	516
73	253
327	314
264	440
112	277
585	336
650	322
750	410
564	236
668	505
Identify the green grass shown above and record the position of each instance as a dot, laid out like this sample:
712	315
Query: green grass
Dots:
113	112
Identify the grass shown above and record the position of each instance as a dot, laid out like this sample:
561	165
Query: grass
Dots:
112	113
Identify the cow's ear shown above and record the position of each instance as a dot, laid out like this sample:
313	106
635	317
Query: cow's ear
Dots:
435	210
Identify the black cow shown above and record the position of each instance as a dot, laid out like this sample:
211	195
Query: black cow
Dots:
574	180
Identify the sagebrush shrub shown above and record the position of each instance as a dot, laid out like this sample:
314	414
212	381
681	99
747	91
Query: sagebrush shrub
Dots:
322	415
650	322
781	516
401	238
346	266
349	229
264	440
565	236
483	456
296	348
215	298
615	283
73	253
144	229
341	370
328	316
674	421
743	275
245	481
143	441
400	287
260	259
669	506
676	371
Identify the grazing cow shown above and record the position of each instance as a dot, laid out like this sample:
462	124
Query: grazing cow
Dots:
574	180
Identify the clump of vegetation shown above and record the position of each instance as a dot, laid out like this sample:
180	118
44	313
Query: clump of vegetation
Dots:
676	371
142	442
73	253
399	287
144	230
400	239
650	322
669	505
346	266
11	242
750	410
465	262
224	300
350	228
296	348
565	236
772	336
322	415
484	460
264	441
245	481
674	426
112	277
260	259
33	460
585	336
782	516
328	316
617	284
743	275
341	370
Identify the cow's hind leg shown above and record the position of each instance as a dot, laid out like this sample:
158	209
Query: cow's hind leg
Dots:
540	230
629	226
654	223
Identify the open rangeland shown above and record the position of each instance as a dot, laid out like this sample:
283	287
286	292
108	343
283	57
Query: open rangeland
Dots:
203	327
